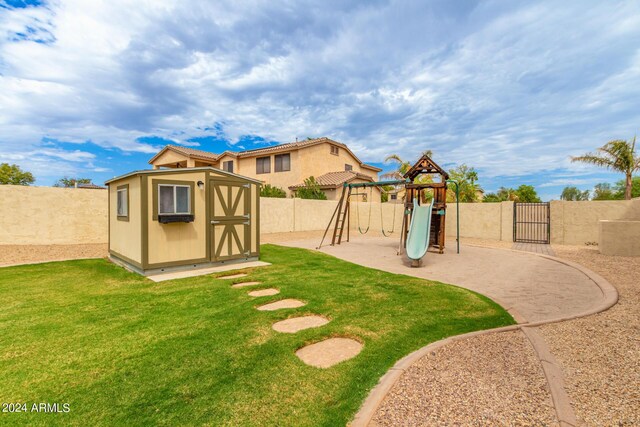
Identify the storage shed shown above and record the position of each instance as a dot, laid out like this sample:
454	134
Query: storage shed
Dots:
175	219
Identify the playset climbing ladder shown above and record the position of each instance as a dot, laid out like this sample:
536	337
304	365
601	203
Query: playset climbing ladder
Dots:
414	189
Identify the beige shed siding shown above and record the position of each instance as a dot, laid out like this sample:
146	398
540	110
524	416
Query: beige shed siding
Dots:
125	237
178	241
255	222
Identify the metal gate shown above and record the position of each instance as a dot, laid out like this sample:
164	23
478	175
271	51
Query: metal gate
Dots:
531	222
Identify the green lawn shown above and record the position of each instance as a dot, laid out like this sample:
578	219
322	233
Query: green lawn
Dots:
122	350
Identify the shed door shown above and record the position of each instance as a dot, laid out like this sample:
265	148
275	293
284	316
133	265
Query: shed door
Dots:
230	219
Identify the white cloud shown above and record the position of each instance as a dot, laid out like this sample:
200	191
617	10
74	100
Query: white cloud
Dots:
512	88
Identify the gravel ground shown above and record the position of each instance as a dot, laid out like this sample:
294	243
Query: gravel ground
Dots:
29	254
600	354
476	381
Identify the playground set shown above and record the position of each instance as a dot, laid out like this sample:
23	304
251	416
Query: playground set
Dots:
423	222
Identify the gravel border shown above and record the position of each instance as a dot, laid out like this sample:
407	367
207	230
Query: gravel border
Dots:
368	410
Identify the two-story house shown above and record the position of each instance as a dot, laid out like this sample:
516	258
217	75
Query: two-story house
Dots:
285	166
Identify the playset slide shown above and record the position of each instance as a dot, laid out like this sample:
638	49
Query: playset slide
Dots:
419	232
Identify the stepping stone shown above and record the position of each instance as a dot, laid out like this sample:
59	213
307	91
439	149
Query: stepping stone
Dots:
295	324
284	303
243	284
329	352
233	276
264	292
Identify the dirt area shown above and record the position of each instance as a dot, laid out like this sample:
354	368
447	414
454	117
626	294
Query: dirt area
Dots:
30	254
476	381
600	354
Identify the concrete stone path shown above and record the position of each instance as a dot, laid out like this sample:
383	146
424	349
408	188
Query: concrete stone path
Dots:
279	305
296	324
244	284
530	287
329	352
264	292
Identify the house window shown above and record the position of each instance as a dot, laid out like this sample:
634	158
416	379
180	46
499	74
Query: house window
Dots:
282	162
122	207
334	150
263	165
394	197
228	166
174	199
348	167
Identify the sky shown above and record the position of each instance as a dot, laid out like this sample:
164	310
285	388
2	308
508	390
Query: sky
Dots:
512	88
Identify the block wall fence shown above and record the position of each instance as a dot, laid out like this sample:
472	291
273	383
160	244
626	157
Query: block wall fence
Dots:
47	215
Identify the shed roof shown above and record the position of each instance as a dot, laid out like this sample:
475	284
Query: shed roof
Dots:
179	170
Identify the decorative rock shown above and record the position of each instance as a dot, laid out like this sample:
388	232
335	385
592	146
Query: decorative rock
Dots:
264	292
295	324
285	303
233	276
329	352
243	284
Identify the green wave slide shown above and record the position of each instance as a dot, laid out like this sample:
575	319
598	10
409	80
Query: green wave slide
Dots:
419	231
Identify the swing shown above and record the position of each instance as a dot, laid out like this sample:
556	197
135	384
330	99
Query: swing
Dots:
393	224
358	211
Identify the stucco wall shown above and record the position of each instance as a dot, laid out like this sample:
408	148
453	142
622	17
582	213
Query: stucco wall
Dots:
482	220
47	215
577	223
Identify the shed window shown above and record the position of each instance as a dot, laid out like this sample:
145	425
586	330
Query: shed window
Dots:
228	166
348	167
394	197
174	199
123	201
334	150
282	162
263	165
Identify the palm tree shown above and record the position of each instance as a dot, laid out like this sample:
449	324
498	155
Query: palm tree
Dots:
617	155
403	166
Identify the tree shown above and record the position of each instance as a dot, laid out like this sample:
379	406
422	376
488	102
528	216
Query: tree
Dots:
603	191
621	187
466	178
269	190
13	175
617	155
574	194
67	182
492	198
384	192
311	190
524	194
403	166
527	194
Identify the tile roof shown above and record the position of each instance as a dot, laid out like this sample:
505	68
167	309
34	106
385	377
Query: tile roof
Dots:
335	179
193	152
91	186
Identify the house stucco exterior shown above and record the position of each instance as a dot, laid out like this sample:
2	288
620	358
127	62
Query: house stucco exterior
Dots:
306	158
